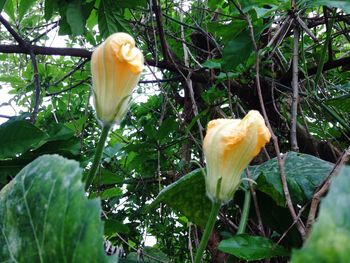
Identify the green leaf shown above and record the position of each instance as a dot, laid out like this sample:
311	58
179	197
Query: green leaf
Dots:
49	7
130	3
108	177
341	4
111	192
151	255
2	3
188	196
212	64
330	236
113	226
156	254
58	131
304	174
75	18
341	103
18	137
169	125
9	9
45	215
238	50
24	6
109	19
251	247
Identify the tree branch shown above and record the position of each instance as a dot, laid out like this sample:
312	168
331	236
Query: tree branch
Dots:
295	87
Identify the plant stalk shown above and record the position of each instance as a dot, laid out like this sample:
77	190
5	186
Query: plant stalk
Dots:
98	154
245	213
208	230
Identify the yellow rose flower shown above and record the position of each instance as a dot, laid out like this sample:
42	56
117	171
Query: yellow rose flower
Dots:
116	67
229	146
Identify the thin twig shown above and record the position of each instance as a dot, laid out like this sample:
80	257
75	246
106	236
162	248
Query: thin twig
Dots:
255	201
69	88
300	224
70	73
36	85
324	188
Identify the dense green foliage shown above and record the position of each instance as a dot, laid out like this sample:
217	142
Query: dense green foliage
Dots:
204	60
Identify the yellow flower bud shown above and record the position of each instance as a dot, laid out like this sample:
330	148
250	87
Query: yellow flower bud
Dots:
116	67
229	146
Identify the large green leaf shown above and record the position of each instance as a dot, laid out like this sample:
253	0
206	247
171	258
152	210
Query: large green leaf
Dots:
2	3
109	19
18	137
304	174
130	3
188	196
151	255
330	237
341	4
24	6
60	140
75	18
237	50
251	247
341	103
45	215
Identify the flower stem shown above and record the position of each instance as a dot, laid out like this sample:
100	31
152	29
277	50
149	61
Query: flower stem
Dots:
98	154
208	230
245	213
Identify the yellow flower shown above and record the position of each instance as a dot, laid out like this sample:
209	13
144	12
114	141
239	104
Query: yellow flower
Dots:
116	67
229	146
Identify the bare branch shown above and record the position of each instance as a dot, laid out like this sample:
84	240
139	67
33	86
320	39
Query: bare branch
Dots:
295	87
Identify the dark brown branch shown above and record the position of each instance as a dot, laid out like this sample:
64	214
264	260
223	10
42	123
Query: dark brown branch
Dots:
27	47
40	50
163	43
199	75
70	73
312	71
44	33
5	116
17	37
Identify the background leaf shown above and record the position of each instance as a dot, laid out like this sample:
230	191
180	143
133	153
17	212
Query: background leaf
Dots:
304	174
75	17
109	19
24	6
251	247
45	215
188	196
18	137
2	3
342	4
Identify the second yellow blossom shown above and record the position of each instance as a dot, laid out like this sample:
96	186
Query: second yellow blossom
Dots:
229	146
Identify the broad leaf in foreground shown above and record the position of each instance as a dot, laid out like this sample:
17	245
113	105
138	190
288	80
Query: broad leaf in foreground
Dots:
18	137
45	215
330	237
304	174
187	195
248	247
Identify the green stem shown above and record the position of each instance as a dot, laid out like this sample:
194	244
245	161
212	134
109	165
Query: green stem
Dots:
208	230
245	213
98	154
